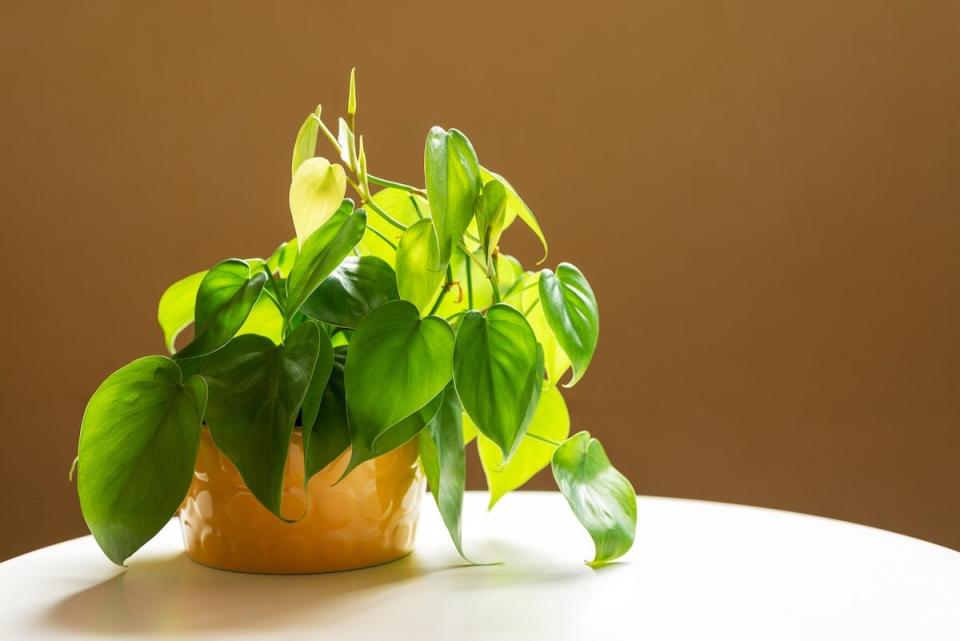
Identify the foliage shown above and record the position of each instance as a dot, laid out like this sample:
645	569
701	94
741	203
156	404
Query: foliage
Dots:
381	321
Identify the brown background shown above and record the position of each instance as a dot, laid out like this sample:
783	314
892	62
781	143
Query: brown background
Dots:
765	195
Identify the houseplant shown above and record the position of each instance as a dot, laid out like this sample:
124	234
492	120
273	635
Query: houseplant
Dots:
390	326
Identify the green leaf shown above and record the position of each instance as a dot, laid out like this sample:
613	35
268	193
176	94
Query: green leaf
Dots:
329	430
498	368
256	389
282	259
441	451
351	291
322	253
305	146
397	363
551	421
571	311
225	299
316	191
310	407
516	208
601	497
175	310
452	176
400	205
419	273
138	446
491	212
526	296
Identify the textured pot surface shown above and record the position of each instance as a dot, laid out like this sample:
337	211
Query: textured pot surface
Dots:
370	517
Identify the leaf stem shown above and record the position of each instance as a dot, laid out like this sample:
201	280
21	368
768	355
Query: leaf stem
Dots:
533	306
383	182
416	207
443	291
382	237
543	439
329	135
387	217
469	284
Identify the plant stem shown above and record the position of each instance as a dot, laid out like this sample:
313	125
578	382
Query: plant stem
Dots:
387	217
382	237
416	207
543	439
469	284
329	135
443	292
533	306
383	182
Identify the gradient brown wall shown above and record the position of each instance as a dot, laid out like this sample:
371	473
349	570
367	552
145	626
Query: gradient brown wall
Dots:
765	195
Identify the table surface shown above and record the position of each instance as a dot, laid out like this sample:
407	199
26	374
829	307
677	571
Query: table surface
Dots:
698	570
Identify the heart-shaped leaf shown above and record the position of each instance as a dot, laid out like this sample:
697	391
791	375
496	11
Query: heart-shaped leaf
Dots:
452	176
551	421
305	146
226	296
138	446
397	363
419	273
571	311
316	191
175	311
256	389
355	288
441	452
601	497
516	208
322	253
498	368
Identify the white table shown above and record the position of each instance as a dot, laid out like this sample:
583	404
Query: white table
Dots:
699	570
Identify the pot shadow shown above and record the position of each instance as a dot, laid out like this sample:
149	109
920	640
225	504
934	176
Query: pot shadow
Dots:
175	595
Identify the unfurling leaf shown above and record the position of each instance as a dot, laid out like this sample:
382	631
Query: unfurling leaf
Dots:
571	311
397	364
353	290
498	370
601	497
316	191
452	176
256	389
491	212
138	447
551	421
419	274
516	208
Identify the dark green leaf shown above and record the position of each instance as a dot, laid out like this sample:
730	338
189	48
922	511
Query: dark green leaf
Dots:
419	273
452	175
571	311
356	287
138	446
322	252
441	451
601	497
310	408
175	310
498	367
329	431
397	363
225	299
256	389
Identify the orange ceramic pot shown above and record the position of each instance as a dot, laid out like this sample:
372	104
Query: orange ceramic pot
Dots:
370	517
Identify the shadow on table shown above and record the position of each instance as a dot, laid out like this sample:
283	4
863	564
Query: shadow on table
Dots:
174	595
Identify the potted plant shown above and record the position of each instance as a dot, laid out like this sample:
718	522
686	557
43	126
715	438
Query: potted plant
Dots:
322	385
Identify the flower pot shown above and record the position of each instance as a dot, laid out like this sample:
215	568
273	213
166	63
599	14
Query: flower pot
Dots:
370	517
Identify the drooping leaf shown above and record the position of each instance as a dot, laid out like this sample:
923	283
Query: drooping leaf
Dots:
525	295
138	447
310	407
316	191
397	363
400	205
282	259
225	299
256	389
441	451
322	253
175	311
351	291
329	430
516	208
452	175
601	497
571	311
498	368
419	273
551	421
305	146
491	212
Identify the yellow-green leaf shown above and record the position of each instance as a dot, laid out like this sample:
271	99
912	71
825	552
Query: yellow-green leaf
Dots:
316	191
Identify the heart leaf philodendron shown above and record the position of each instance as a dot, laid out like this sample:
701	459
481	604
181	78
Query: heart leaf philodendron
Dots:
394	323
